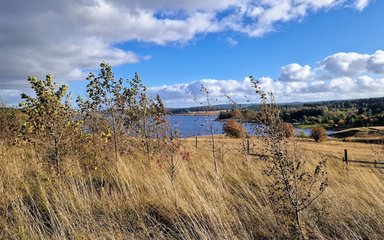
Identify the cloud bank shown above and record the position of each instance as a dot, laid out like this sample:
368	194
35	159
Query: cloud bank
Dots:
339	76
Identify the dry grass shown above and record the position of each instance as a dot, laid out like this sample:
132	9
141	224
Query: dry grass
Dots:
133	198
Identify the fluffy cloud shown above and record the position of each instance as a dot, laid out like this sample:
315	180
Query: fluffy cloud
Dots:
339	76
353	64
349	64
375	63
295	73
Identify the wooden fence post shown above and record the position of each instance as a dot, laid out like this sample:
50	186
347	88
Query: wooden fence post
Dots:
346	156
196	142
248	146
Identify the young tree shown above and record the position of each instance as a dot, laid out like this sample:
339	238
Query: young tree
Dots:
100	108
118	108
50	121
293	188
211	129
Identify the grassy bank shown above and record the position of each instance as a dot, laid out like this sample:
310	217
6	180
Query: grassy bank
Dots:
134	199
363	134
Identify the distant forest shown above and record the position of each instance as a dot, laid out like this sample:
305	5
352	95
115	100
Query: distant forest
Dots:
357	113
336	113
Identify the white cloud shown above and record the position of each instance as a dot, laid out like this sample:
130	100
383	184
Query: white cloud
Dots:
342	84
371	84
375	63
361	4
232	42
295	73
353	64
349	64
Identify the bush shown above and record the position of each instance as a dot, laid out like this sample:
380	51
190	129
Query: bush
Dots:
234	129
4	121
10	124
50	121
289	130
319	134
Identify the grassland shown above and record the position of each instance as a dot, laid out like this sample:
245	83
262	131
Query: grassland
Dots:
133	197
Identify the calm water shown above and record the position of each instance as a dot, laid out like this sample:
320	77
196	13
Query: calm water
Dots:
189	126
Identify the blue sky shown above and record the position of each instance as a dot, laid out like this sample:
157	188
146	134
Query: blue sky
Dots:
305	42
302	50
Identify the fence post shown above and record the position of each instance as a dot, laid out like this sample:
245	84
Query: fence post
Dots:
248	146
196	142
346	156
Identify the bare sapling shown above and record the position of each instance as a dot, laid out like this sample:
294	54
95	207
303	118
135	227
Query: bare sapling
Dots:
294	188
170	156
211	128
237	109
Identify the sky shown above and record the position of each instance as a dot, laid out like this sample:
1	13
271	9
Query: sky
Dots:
301	50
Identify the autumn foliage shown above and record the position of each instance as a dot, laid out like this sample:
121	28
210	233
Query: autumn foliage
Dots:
234	129
288	129
319	134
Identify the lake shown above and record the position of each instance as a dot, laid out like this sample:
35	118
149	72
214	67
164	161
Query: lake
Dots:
190	126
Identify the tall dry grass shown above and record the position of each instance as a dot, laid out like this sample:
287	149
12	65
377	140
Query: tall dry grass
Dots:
133	197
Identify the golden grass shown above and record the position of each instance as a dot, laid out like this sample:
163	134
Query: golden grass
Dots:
133	198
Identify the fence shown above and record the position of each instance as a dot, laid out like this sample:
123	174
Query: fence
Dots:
346	160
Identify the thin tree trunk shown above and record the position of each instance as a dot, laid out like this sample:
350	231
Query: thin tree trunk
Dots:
297	219
213	147
172	178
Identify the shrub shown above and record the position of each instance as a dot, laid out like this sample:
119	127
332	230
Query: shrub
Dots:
11	121
233	129
341	122
4	121
319	134
289	130
50	120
